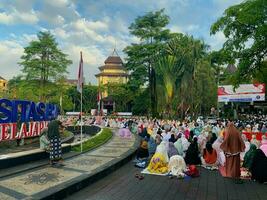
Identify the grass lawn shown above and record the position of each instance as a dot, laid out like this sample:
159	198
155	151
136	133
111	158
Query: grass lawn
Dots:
95	141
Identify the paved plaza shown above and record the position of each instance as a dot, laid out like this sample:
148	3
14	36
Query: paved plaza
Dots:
44	181
122	185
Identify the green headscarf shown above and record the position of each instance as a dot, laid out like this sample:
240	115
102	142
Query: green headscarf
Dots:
249	156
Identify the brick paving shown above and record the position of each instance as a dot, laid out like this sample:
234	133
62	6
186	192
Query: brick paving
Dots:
122	185
46	182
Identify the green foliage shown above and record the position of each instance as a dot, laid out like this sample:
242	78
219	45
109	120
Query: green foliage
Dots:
151	30
141	102
205	88
19	88
244	26
122	95
43	61
89	97
176	69
95	141
166	69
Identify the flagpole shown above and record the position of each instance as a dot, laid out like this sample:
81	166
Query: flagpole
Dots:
80	89
81	114
81	123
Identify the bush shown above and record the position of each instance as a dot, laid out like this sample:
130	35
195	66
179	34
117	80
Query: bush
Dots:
95	141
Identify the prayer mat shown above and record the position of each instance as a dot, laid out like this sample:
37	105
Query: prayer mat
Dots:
145	171
124	133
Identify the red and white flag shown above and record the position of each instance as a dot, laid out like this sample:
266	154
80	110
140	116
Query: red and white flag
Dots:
99	97
80	75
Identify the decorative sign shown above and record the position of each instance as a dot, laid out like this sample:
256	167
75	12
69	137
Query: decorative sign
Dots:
244	93
22	119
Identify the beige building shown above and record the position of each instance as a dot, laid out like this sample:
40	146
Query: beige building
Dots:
112	71
3	83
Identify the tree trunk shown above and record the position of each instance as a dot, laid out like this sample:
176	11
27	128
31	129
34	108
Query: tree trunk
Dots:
153	93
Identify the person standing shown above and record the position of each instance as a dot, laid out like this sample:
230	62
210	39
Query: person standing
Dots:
232	146
53	134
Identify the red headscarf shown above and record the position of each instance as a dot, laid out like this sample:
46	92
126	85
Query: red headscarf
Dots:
233	142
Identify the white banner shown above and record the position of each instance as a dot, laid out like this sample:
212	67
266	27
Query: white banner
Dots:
244	93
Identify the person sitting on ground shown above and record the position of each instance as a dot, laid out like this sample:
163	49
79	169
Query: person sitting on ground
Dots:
247	146
177	166
172	139
185	143
263	145
220	155
187	133
134	128
44	141
151	146
142	154
209	158
144	133
179	146
166	136
192	154
142	151
159	162
172	150
255	141
264	129
259	166
158	139
249	156
213	138
202	140
191	135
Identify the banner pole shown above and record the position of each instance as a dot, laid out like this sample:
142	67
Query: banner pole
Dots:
81	121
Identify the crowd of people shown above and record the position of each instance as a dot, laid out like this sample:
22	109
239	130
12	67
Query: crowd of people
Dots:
177	147
173	147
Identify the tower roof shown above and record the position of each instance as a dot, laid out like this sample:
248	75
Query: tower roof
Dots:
114	58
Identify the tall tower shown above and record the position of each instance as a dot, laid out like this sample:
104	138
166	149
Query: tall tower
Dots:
112	71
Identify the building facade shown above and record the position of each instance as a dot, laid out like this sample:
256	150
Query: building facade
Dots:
113	71
3	83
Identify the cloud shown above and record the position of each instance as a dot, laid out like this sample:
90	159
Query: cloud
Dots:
10	52
57	13
92	57
216	41
176	29
18	17
87	26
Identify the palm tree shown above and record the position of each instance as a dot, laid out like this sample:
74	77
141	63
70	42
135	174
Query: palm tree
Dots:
166	67
177	66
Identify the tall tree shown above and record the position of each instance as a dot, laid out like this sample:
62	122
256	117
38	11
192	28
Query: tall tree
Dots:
244	26
44	61
151	30
188	53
